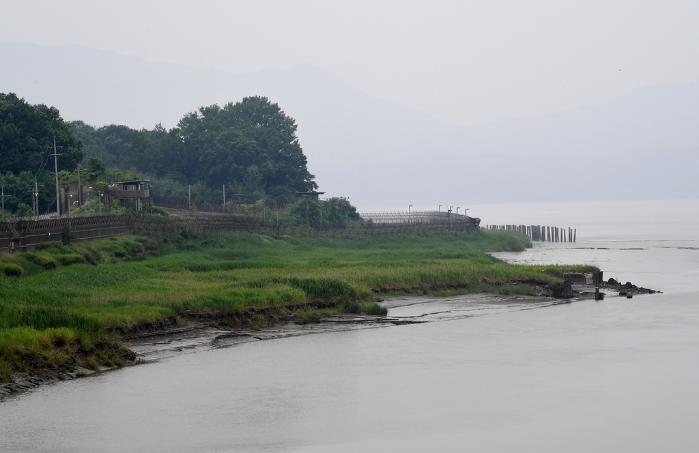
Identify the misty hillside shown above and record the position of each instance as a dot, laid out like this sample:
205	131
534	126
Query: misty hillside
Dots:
386	156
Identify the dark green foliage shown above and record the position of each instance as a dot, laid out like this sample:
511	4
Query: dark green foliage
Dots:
331	213
26	136
251	146
18	191
94	170
23	210
27	132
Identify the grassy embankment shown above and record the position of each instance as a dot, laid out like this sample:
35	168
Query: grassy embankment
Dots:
68	305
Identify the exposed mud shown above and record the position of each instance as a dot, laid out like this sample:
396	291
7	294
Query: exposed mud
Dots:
206	331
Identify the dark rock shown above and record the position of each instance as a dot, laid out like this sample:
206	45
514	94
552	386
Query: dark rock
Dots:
563	290
598	295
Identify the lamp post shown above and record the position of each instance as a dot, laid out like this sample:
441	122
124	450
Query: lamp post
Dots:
457	210
410	207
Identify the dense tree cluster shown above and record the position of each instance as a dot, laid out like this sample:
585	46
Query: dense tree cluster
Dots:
334	212
250	146
26	135
26	139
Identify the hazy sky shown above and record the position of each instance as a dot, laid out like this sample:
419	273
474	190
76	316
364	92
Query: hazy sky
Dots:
464	61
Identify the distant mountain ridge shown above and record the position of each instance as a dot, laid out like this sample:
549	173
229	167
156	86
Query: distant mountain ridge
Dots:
644	145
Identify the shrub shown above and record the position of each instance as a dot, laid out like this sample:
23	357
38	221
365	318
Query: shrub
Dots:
11	269
45	261
70	258
324	288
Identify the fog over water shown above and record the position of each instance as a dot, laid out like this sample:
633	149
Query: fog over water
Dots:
485	374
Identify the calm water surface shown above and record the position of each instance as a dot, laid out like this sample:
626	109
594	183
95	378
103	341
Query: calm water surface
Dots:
484	375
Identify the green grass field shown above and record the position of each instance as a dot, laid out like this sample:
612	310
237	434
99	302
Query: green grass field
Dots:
67	305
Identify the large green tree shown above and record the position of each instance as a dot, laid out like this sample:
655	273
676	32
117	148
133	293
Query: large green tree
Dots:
27	133
249	141
251	146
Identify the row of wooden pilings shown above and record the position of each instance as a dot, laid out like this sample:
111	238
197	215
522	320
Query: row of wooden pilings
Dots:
539	232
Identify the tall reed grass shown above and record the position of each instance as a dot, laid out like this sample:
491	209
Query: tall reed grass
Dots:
80	292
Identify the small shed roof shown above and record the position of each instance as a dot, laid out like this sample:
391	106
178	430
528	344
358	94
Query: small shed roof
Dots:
133	181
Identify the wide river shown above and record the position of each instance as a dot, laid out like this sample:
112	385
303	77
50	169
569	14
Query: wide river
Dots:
486	374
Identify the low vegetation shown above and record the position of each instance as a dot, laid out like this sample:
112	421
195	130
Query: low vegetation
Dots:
62	305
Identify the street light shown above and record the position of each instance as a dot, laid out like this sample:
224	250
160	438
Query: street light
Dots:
457	210
410	207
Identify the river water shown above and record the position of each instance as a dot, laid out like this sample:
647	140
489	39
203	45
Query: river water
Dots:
484	374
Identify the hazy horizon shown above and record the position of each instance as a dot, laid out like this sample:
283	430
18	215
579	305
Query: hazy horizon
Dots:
398	103
465	62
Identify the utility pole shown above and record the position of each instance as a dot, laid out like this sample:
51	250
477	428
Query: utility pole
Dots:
80	189
55	169
2	196
224	196
36	199
189	196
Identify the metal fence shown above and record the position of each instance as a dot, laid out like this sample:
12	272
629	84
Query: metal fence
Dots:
420	217
26	234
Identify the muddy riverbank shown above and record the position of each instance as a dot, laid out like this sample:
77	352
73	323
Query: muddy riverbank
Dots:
162	340
165	340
